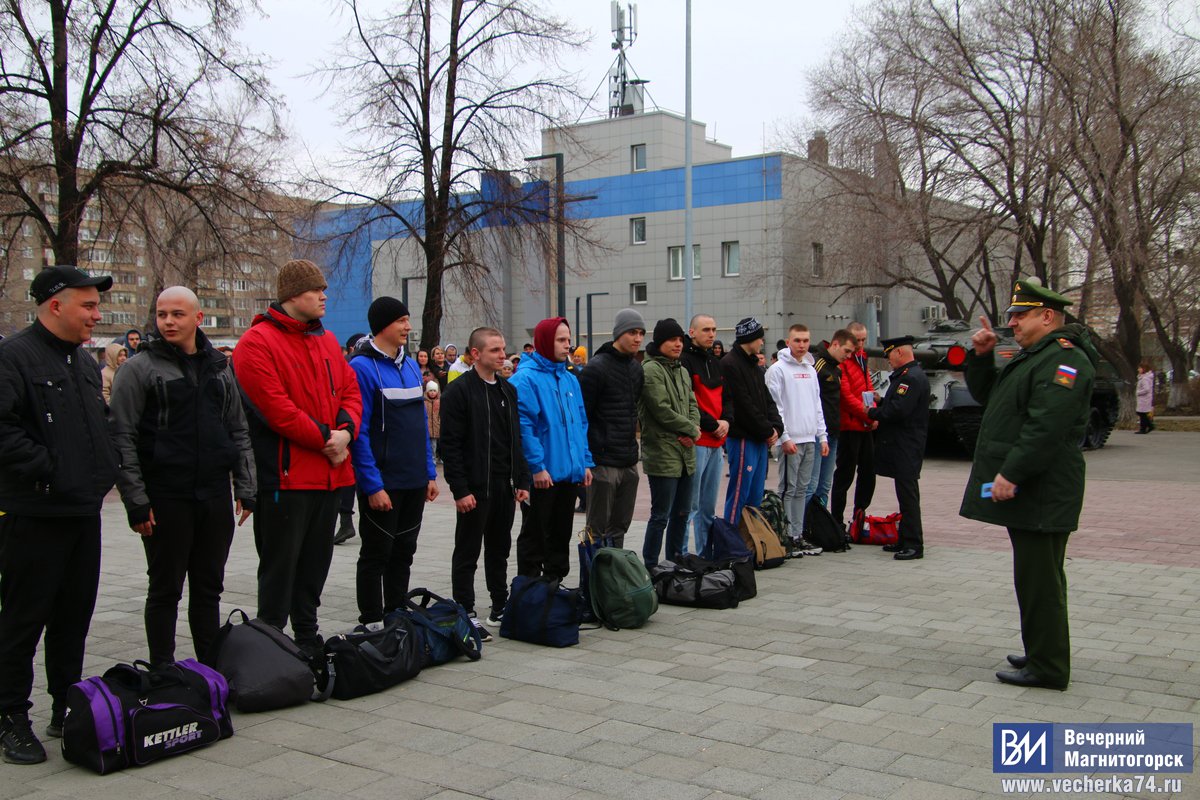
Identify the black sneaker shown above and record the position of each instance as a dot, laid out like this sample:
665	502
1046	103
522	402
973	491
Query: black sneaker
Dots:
55	728
19	743
346	531
313	646
484	634
495	617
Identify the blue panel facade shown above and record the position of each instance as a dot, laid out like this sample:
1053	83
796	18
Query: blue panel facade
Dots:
349	268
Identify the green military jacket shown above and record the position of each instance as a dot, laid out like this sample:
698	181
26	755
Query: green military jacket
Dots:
1035	411
667	410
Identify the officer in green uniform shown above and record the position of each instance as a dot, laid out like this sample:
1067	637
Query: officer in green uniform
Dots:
1028	473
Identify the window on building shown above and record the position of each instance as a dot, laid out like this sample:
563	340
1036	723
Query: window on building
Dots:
818	259
637	293
731	259
637	158
637	230
27	273
675	260
241	286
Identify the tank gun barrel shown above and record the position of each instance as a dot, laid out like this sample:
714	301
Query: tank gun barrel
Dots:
951	357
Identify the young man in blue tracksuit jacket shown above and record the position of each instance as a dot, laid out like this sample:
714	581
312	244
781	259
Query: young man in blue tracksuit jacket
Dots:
394	480
554	438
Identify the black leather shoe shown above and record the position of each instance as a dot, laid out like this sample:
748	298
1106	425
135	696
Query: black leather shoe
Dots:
1030	680
908	554
1017	661
891	548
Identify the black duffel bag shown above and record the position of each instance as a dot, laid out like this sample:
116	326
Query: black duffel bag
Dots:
364	662
742	568
701	584
266	670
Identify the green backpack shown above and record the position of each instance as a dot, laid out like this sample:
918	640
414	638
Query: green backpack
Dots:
621	591
772	510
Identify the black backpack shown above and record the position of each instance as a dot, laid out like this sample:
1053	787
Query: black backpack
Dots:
822	529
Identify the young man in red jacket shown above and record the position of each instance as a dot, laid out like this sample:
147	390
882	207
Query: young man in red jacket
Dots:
303	408
856	445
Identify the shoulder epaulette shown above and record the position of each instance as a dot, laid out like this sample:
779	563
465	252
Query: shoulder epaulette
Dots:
1066	344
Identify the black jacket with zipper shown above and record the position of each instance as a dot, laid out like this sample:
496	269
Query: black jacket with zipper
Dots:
466	436
611	385
59	459
749	409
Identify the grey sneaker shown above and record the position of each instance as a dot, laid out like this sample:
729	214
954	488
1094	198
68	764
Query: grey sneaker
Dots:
808	548
20	745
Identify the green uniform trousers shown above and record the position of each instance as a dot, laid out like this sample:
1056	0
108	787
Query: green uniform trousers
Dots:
1041	584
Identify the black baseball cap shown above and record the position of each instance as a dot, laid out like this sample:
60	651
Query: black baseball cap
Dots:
53	280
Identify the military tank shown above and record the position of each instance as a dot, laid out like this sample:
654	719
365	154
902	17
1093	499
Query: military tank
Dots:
955	416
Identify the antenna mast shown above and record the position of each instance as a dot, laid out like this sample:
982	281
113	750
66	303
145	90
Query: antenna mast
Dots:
625	97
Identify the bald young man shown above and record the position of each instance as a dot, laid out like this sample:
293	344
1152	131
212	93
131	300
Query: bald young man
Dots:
181	432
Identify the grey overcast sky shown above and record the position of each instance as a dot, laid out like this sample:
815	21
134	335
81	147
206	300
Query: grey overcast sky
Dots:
748	61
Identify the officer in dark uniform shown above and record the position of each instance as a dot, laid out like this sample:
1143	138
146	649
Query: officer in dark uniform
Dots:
903	417
1028	473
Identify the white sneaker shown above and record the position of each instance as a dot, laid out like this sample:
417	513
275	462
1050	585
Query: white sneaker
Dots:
808	548
373	627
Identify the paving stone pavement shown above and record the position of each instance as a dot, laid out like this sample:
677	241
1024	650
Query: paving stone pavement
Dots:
849	676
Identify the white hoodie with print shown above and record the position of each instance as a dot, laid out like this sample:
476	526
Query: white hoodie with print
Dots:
796	390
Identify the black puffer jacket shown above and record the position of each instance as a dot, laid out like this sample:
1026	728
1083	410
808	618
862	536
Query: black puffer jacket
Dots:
59	459
612	384
749	409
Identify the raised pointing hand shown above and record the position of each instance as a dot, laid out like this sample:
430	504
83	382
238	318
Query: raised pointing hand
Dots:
984	339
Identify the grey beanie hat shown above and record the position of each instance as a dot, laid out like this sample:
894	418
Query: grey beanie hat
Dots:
627	320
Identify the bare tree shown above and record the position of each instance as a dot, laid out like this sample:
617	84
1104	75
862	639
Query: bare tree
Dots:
1134	110
439	96
127	93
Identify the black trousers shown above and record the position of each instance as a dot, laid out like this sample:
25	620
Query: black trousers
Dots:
293	533
1041	585
389	542
855	452
346	500
49	573
908	494
544	543
191	540
488	526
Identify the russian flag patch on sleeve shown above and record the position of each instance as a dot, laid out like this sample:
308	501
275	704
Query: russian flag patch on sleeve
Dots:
1065	376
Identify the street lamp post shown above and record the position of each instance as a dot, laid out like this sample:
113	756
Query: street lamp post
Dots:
591	342
560	223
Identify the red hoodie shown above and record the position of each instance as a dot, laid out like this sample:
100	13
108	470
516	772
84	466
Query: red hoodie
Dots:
298	388
856	379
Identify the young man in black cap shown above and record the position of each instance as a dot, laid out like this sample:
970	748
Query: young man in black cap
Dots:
486	470
670	427
393	461
903	417
58	464
754	422
1028	473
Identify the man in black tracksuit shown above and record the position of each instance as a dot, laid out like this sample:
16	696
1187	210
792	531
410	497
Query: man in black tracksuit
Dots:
486	470
58	464
181	432
829	376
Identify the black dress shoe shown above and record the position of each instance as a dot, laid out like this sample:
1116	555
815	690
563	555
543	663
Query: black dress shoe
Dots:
909	554
1030	680
891	548
1018	661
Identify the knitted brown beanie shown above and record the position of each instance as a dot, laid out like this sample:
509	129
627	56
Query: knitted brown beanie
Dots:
297	277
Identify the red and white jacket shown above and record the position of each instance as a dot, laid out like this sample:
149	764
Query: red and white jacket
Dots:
297	389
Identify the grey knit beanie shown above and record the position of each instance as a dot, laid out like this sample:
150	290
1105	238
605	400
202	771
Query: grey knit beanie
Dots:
627	320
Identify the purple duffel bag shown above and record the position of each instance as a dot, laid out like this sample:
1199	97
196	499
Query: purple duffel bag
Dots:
136	714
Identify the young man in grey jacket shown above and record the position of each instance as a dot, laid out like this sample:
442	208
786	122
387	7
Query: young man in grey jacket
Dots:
181	432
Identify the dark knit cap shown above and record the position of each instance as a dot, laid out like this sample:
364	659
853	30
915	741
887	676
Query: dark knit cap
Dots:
665	330
543	336
748	330
297	277
383	312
